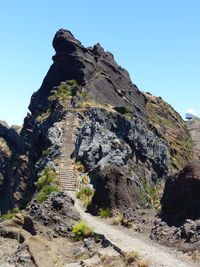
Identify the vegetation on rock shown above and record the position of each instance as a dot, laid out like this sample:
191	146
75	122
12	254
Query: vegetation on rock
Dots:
173	130
85	195
44	184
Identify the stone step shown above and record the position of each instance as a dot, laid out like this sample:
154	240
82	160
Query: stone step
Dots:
69	187
66	176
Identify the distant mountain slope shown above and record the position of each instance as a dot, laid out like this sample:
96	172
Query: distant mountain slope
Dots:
194	128
173	129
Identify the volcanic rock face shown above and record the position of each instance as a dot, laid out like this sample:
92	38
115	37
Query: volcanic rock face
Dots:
107	138
181	196
113	129
95	71
13	166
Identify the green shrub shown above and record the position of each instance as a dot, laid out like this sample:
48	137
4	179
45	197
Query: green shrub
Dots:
48	177
41	197
10	215
104	213
127	110
80	105
82	230
47	189
15	210
85	195
153	193
85	179
85	192
45	192
79	166
45	153
73	82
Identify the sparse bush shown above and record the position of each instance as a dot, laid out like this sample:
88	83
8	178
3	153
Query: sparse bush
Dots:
80	105
82	230
63	91
86	96
127	110
45	153
130	171
143	263
47	189
41	197
117	220
45	192
43	183
73	82
153	193
79	166
131	257
48	177
85	195
104	213
10	215
44	115
85	179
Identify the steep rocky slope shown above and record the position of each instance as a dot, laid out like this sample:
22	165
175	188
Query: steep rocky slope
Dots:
194	128
114	139
94	70
118	126
172	128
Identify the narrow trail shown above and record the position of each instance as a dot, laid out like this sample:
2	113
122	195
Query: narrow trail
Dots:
157	255
67	174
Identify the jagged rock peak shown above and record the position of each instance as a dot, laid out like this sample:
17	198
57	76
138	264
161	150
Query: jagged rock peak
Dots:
62	39
95	71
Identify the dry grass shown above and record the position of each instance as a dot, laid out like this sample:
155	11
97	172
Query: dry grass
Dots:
143	263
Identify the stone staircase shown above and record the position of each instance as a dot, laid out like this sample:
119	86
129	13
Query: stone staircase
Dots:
67	172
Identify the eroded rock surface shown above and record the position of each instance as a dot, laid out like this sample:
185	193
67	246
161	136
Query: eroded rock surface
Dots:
181	196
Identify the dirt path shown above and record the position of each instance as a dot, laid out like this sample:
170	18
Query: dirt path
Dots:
157	255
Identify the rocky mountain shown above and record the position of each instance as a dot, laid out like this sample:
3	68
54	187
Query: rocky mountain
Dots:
94	70
117	126
90	130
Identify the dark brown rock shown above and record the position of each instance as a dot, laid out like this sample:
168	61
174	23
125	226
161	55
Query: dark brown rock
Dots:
181	198
96	72
115	190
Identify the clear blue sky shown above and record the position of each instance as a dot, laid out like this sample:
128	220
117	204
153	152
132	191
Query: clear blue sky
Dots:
157	41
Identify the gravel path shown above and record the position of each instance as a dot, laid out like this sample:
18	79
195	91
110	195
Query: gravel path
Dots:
156	254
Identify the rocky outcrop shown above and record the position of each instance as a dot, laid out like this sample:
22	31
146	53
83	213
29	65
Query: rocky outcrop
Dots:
11	135
13	166
107	138
96	72
115	190
181	197
57	212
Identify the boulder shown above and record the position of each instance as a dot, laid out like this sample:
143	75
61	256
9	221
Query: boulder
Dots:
115	190
56	212
181	198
